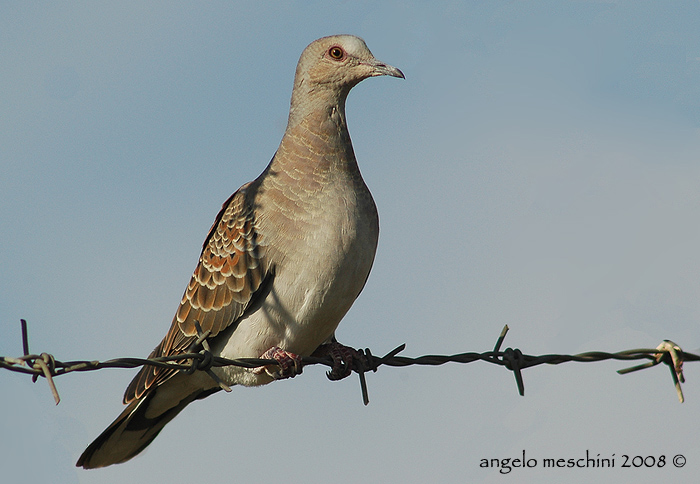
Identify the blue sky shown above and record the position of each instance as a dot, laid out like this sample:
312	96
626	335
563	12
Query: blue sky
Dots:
539	166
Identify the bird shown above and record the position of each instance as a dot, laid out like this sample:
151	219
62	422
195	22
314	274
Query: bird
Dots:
284	260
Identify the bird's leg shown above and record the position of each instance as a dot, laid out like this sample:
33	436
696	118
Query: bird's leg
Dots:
342	357
289	364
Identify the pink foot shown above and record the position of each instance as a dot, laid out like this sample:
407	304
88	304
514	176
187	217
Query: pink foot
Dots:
342	357
289	364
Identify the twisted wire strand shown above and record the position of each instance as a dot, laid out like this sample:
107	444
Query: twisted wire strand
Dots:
201	359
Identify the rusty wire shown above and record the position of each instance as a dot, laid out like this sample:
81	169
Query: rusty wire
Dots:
201	359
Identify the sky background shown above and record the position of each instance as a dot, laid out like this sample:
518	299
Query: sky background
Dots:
539	167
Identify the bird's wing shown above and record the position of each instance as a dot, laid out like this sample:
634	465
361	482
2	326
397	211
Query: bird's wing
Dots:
231	269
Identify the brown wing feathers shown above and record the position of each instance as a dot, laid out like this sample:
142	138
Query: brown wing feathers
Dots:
229	271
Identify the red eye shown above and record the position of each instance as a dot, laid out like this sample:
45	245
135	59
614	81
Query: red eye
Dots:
336	53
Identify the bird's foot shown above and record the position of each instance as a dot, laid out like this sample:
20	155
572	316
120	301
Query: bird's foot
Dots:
342	357
289	364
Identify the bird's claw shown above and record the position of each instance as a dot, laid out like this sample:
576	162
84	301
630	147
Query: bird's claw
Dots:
342	356
288	364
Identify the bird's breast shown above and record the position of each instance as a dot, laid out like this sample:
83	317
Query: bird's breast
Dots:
318	277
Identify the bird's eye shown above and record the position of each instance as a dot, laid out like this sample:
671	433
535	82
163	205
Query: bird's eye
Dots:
336	53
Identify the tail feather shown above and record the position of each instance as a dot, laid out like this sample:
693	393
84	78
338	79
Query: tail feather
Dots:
140	422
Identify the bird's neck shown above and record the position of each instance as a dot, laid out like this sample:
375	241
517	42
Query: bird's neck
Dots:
320	135
309	99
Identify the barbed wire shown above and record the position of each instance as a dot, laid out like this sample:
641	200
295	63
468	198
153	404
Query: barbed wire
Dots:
200	358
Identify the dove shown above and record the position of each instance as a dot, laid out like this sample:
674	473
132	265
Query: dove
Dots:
283	262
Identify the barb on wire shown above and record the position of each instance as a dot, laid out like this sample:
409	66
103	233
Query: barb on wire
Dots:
671	354
200	358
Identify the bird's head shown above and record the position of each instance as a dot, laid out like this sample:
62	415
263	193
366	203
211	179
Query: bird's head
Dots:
330	66
341	61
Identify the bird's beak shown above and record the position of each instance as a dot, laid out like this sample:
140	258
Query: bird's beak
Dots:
381	69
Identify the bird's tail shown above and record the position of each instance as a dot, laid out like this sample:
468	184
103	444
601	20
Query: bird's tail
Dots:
140	422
